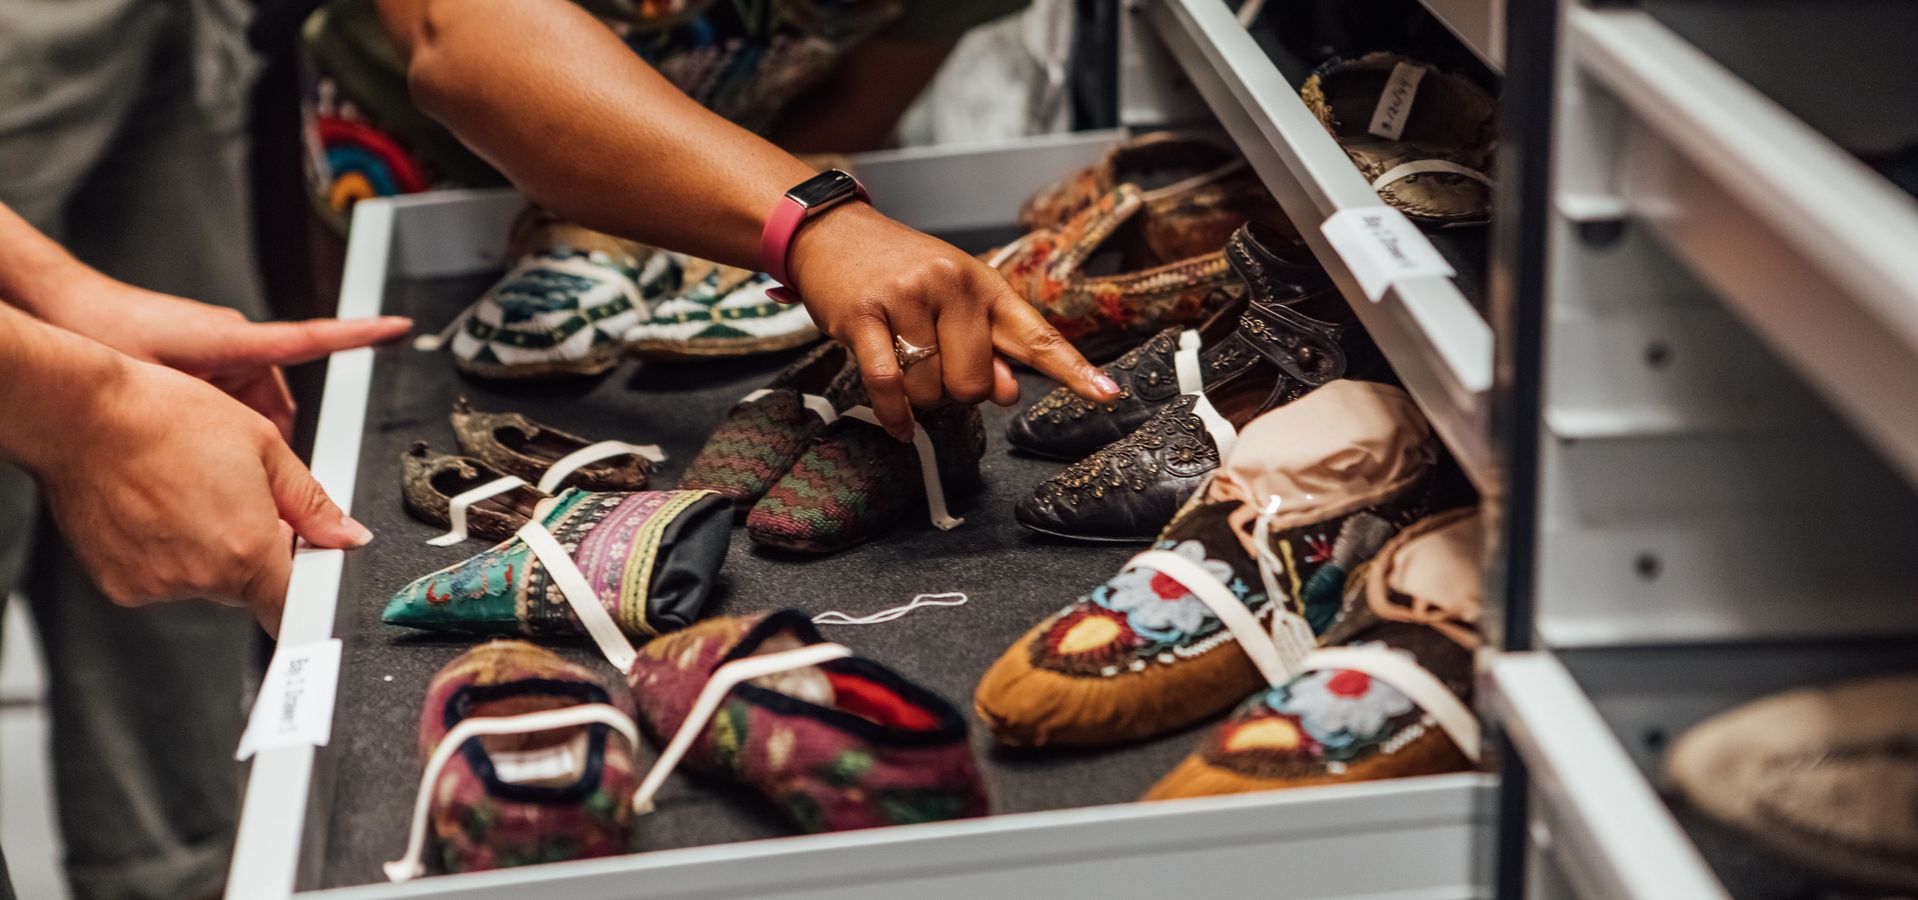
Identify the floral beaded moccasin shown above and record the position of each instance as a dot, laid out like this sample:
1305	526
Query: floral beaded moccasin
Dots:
1156	648
516	445
1392	700
1424	138
430	481
768	430
1282	272
840	744
1159	164
705	310
529	759
562	310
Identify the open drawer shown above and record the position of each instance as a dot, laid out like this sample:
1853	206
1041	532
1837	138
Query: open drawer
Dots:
321	820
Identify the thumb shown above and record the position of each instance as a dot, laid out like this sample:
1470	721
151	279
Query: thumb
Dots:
303	504
291	343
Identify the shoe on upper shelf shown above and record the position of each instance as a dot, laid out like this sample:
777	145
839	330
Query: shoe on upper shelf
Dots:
767	431
1145	653
1158	163
703	310
1126	267
429	481
1424	138
516	445
1063	425
1129	489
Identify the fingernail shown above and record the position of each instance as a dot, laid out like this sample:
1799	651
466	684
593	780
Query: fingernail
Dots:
1104	382
360	533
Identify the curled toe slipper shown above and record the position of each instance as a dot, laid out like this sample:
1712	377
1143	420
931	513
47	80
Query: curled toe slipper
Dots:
766	432
516	445
1158	162
430	482
651	557
529	759
840	745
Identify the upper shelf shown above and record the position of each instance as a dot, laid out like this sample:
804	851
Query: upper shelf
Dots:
1792	232
1437	342
1480	24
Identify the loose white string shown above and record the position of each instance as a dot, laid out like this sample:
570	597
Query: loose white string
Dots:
456	508
579	595
1411	679
724	679
1290	631
820	406
835	617
1265	654
409	866
592	453
928	469
431	343
1186	363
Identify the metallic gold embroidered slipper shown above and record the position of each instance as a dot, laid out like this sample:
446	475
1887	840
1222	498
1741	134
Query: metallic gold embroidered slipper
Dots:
516	445
1158	163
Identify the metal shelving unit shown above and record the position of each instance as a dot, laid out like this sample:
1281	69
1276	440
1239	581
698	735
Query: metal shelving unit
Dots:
1478	24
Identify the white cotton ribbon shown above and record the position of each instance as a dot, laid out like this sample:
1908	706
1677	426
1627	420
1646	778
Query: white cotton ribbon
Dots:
592	453
1223	434
1413	680
579	595
928	469
724	679
835	617
409	866
820	406
1403	171
456	508
1186	363
1276	663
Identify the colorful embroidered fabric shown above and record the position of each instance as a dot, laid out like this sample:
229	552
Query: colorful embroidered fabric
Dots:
484	815
704	310
761	438
651	556
847	745
1149	161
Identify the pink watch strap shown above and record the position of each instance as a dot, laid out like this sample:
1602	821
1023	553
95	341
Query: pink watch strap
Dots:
775	242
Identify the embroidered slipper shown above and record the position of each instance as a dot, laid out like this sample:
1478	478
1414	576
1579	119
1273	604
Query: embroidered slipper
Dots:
1125	267
839	745
708	310
1424	138
852	484
464	495
768	430
528	759
651	558
549	457
1394	701
1825	777
562	310
1159	164
1151	650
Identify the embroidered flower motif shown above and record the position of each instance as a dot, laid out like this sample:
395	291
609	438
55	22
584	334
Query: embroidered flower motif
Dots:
1341	708
1156	605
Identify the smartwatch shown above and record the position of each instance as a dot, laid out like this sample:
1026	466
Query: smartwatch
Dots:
807	199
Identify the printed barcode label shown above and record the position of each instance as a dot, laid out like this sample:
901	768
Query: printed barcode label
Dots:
1381	246
295	705
1395	105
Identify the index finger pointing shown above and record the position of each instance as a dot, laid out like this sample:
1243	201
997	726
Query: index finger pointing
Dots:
1018	331
289	343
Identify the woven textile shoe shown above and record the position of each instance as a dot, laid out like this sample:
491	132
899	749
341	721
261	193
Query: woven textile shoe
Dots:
1424	138
1125	267
1394	701
705	310
429	481
1825	777
516	445
1159	163
767	432
522	797
1062	425
562	310
651	557
840	745
1146	652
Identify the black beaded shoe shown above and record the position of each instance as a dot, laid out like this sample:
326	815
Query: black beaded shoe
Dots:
1062	425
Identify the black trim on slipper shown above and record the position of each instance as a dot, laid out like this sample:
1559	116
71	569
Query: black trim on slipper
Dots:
460	705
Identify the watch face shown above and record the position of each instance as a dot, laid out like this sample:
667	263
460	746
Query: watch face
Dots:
823	189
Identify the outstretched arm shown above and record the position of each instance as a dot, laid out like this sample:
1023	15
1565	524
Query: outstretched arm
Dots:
587	129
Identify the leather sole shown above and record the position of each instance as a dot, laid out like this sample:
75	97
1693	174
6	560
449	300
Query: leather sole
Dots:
1086	538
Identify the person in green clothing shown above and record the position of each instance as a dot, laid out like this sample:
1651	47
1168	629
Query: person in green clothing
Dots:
673	123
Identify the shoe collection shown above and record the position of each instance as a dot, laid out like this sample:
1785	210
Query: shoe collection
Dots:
1303	582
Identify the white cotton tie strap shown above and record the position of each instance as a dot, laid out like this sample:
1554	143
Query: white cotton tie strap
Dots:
835	617
928	469
724	679
820	406
456	508
1290	631
579	595
1411	679
1223	434
1403	171
431	343
592	453
1186	363
410	866
1227	606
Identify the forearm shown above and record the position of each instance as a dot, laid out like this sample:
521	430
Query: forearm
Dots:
584	127
36	274
50	380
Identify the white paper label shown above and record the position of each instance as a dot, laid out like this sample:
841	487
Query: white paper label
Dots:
295	706
1381	246
1395	105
